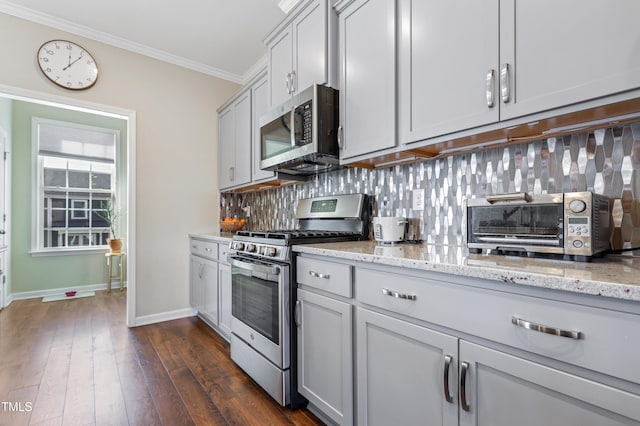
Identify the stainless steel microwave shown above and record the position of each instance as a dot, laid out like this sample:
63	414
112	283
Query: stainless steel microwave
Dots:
575	225
300	137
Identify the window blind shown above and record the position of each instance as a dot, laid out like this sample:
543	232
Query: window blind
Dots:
71	142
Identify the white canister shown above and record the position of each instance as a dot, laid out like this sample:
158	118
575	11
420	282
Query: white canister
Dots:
389	229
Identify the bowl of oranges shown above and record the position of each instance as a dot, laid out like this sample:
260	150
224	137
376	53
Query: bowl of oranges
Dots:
230	224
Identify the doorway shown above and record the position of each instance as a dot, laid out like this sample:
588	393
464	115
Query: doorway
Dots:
81	107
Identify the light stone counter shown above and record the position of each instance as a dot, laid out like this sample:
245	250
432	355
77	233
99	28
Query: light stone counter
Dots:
613	276
217	237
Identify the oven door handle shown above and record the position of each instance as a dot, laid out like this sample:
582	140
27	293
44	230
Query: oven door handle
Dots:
256	267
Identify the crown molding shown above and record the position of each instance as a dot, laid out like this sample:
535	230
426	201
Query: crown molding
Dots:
90	33
256	69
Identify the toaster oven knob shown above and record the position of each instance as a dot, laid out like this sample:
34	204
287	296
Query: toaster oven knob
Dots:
578	244
577	206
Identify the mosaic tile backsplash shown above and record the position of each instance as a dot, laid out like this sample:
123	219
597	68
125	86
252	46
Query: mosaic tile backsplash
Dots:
605	161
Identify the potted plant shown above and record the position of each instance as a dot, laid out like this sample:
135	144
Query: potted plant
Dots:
109	214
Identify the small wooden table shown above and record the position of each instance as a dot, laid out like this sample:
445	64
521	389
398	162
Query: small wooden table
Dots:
120	271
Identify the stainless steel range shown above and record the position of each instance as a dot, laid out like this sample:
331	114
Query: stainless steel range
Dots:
264	291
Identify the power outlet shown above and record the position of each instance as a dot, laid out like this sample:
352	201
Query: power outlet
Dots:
418	199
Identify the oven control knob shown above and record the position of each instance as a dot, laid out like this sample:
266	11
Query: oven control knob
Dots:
251	248
577	206
270	251
578	244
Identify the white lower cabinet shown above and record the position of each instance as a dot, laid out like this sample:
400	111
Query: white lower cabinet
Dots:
401	373
325	355
505	390
434	349
224	281
210	284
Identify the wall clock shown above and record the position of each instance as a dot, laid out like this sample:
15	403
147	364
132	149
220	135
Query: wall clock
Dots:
67	64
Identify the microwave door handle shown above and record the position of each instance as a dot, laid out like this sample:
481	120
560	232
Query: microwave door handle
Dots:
520	196
292	127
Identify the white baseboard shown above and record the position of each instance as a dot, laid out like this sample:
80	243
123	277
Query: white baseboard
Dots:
50	292
163	316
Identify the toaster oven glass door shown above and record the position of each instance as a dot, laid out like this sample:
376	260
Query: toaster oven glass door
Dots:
517	224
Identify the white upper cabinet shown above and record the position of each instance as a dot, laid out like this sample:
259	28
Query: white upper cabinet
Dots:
259	106
448	60
298	51
234	142
367	76
471	63
560	53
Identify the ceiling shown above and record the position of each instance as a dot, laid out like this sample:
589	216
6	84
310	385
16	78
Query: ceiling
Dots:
223	38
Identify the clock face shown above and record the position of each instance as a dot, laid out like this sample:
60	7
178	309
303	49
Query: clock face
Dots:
67	64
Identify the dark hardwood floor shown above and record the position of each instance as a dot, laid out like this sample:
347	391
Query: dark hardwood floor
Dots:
74	362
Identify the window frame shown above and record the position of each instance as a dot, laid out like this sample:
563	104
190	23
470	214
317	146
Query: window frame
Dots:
38	192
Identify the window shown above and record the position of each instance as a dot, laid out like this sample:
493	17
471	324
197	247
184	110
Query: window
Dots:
75	171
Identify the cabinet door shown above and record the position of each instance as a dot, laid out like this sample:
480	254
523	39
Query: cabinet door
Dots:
259	106
581	52
504	390
210	283
448	55
367	76
242	123
279	54
224	281
226	147
310	46
400	373
325	369
196	287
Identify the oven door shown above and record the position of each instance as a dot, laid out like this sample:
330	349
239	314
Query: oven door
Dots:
260	302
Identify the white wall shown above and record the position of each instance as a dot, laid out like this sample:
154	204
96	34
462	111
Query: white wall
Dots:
176	155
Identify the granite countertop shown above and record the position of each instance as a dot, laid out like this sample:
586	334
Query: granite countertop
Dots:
219	237
616	276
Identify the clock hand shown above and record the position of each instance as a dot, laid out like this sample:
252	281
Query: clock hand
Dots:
71	63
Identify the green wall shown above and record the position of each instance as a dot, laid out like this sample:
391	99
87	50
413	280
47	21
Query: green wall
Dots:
29	273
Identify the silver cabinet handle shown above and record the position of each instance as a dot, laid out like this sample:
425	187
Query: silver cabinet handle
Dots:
319	275
397	295
447	366
340	137
296	317
504	83
519	196
464	368
293	81
194	246
207	249
547	330
489	88
231	174
287	83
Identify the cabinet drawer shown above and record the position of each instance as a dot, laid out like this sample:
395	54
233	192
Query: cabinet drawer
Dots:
223	251
608	343
202	248
328	276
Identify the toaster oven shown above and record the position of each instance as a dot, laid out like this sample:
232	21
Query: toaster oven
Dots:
573	225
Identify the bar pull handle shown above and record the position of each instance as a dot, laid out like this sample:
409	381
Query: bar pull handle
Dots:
340	137
519	196
231	174
397	295
489	88
296	316
464	368
447	366
287	83
207	249
571	334
319	275
504	83
293	81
